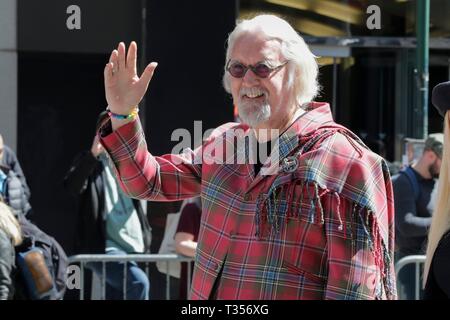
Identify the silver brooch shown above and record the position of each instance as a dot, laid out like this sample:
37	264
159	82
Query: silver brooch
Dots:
290	164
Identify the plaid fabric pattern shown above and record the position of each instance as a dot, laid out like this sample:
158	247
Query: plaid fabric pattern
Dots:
320	226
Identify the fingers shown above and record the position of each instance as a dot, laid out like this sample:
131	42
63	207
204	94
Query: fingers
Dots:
147	75
119	61
121	56
111	66
131	56
108	72
122	59
114	56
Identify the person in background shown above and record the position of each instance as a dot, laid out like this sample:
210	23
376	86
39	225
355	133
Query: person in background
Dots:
13	192
413	187
437	264
10	236
186	238
9	160
109	221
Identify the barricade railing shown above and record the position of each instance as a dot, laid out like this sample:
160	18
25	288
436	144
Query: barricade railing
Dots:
83	259
417	260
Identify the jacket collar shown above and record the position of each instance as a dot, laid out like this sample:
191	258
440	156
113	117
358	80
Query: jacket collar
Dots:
318	114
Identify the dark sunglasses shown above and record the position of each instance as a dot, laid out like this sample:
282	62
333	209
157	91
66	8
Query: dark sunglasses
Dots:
262	70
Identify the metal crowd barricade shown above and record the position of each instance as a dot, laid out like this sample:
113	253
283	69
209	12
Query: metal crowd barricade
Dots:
418	260
83	259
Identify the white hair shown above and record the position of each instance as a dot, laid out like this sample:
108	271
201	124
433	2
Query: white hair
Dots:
302	66
9	224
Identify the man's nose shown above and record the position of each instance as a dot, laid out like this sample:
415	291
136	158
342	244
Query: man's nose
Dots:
250	78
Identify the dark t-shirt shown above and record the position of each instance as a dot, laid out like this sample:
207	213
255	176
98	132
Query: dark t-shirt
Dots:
263	151
189	223
412	219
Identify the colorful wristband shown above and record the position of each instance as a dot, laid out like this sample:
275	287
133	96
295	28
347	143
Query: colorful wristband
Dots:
133	114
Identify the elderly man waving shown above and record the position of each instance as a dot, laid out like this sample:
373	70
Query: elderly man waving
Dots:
312	220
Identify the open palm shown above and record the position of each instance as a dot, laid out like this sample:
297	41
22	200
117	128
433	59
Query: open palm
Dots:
123	88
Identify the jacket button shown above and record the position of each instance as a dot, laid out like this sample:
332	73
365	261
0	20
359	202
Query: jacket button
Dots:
218	267
248	197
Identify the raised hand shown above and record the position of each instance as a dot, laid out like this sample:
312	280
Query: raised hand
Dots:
123	88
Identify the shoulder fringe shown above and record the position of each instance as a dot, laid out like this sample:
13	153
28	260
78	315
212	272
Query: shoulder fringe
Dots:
276	207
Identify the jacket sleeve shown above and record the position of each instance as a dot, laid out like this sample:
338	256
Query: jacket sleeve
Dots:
6	254
76	179
406	219
141	175
352	270
360	241
12	162
360	266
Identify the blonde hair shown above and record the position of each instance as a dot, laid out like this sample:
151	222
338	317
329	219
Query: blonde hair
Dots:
9	224
302	66
441	216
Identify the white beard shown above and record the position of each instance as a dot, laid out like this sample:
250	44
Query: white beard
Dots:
254	114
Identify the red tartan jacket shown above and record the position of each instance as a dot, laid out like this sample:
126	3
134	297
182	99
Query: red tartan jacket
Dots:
318	224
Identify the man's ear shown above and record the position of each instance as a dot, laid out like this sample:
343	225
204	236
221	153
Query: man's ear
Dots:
431	156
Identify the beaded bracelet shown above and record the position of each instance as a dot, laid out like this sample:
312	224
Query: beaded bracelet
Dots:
133	114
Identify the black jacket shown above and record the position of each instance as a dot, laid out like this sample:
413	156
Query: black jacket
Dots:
412	218
10	161
84	179
15	196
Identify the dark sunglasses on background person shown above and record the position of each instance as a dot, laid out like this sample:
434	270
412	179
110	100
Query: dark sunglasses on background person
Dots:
261	69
